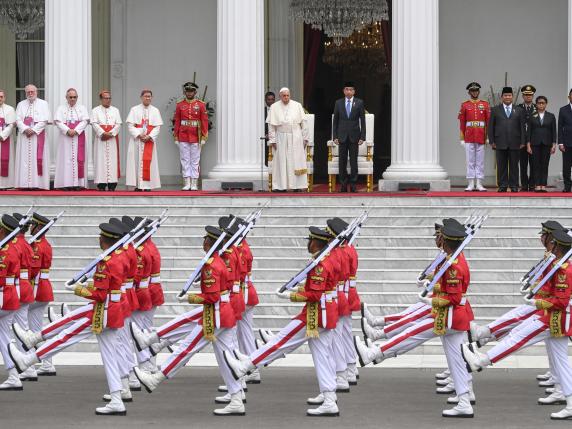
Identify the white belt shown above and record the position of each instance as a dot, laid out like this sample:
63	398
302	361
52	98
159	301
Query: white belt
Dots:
156	279
475	124
332	294
341	287
115	297
10	281
128	285
123	289
45	276
24	274
353	283
143	284
192	123
225	298
236	288
346	286
463	301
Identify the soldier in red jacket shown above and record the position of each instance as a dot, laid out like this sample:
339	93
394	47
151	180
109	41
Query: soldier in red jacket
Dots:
191	133
9	272
474	117
314	324
551	324
104	321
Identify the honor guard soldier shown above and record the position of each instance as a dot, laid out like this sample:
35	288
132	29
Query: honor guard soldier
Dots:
191	133
473	121
526	178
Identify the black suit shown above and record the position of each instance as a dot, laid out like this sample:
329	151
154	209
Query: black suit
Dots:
565	138
525	158
541	135
348	131
266	109
509	135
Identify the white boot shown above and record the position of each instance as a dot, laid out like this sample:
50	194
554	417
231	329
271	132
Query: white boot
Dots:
156	348
225	399
472	398
195	187
239	368
377	321
29	375
265	334
253	377
444	381
148	366
244	387
367	355
28	338
316	400
547	383
475	360
187	185
234	408
370	332
126	395
142	339
462	410
328	409
566	413
352	374
442	375
471	186
134	383
13	382
149	381
478	332
555	398
114	408
64	309
22	361
545	376
447	389
53	315
342	384
480	186
47	369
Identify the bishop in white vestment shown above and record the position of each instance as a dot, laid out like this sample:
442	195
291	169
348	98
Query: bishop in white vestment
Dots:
32	167
71	151
144	122
106	122
288	136
7	124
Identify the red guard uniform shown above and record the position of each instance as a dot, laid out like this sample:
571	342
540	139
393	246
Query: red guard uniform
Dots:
23	281
250	294
231	258
473	121
40	271
141	279
9	272
132	304
155	288
191	128
353	296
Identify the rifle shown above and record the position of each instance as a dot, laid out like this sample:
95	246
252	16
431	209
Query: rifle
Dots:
548	276
357	230
23	222
45	227
151	230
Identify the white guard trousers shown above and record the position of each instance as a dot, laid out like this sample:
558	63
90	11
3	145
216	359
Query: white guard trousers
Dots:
348	339
21	316
421	312
292	336
6	319
126	350
54	328
180	326
36	315
338	351
510	319
190	154
245	332
391	318
475	154
141	319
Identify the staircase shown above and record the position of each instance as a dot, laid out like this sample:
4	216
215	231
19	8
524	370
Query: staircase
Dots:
394	246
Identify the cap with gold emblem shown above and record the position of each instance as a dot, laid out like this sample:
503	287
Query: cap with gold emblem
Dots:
528	90
110	230
550	226
190	86
213	232
453	232
473	86
561	237
38	219
319	234
8	223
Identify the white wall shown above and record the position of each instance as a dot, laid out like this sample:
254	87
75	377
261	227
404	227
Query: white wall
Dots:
481	41
159	45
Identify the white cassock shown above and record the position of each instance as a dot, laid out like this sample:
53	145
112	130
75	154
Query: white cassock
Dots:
106	152
287	128
142	170
71	152
32	167
7	123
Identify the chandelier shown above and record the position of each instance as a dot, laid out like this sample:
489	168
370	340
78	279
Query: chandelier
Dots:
22	17
360	54
339	18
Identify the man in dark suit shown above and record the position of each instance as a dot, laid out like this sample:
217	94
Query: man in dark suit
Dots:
348	131
507	135
269	100
541	144
565	141
526	180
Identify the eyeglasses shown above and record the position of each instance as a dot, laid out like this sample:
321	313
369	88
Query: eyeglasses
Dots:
72	96
541	102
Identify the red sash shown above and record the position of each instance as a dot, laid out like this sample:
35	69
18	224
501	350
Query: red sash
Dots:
4	153
147	153
107	129
80	149
29	121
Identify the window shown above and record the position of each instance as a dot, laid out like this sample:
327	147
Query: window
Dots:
30	62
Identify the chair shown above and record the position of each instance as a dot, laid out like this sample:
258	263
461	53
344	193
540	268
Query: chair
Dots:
365	157
309	154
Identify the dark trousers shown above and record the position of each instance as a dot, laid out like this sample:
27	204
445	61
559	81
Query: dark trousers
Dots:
526	161
540	160
507	168
352	148
566	166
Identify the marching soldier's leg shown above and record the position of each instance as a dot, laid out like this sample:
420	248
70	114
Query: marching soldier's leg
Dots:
339	360
326	372
559	352
395	328
246	341
226	342
557	396
13	382
126	349
35	319
349	349
108	341
500	326
195	158
452	342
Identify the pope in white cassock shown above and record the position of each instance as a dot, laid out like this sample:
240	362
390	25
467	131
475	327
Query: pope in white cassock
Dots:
288	137
106	122
71	150
144	122
7	123
32	166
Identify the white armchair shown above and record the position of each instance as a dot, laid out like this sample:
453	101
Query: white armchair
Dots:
309	154
365	157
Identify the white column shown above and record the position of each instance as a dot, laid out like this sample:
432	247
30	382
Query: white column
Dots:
240	89
415	96
68	57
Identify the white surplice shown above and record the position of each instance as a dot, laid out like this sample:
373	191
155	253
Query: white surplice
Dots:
26	164
287	128
106	152
8	121
138	117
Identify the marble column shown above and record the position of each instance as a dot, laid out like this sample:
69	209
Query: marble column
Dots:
415	96
68	59
240	91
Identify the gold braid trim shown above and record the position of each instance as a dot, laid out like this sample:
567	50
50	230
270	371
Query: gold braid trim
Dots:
556	324
312	320
208	322
296	297
301	172
195	299
440	315
98	318
82	291
440	301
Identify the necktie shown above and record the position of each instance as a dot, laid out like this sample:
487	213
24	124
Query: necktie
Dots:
508	111
541	120
348	108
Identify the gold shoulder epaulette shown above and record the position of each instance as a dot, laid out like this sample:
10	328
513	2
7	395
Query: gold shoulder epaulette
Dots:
107	258
210	261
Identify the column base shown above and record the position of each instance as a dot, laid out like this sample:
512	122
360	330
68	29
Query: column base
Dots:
385	185
216	184
238	172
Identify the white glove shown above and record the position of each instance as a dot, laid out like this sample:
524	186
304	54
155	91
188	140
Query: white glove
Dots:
69	285
530	301
177	142
283	295
462	143
183	298
202	143
425	300
422	283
